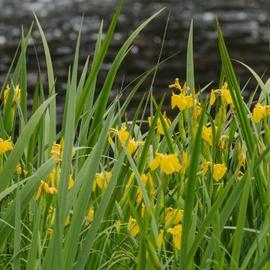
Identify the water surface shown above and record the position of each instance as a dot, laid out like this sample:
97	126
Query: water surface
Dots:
245	26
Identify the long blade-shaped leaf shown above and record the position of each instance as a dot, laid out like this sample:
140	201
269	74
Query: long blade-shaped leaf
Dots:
15	155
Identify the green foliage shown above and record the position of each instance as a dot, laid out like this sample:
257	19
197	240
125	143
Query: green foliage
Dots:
108	192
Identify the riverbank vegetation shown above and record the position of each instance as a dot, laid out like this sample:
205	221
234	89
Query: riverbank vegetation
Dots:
151	192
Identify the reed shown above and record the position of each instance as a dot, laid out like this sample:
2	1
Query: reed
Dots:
190	192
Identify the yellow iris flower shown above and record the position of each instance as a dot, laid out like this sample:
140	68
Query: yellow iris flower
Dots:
182	102
167	163
101	180
125	138
5	146
173	216
176	233
224	92
259	112
219	171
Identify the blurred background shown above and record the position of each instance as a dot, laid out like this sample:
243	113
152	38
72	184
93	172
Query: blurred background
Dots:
245	25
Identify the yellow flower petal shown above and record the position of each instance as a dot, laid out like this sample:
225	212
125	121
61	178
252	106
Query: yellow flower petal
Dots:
133	227
159	239
190	102
90	216
154	164
259	112
226	96
219	171
71	182
168	163
207	135
123	135
17	94
185	161
5	146
102	179
205	166
212	97
159	124
132	146
20	170
176	233
176	85
56	151
53	178
179	101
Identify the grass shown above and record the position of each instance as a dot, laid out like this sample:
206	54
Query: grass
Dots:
105	192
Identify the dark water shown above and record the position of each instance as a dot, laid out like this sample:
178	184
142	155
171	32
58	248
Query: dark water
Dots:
245	25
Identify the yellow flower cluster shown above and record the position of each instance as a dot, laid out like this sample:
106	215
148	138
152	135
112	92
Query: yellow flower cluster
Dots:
260	112
218	169
51	186
183	100
126	139
173	225
168	163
